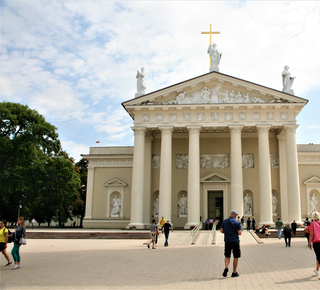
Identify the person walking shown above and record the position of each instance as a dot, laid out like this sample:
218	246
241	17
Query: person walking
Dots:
294	227
315	239
287	231
210	224
162	222
242	221
307	231
207	224
16	236
278	227
33	222
153	233
167	227
253	224
248	224
4	233
231	228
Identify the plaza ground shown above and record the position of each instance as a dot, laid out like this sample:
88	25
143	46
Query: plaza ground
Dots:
129	264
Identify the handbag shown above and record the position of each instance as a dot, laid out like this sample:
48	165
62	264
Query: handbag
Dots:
22	241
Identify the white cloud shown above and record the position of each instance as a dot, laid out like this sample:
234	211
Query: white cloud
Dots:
75	61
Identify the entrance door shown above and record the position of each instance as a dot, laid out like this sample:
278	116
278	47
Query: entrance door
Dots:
215	206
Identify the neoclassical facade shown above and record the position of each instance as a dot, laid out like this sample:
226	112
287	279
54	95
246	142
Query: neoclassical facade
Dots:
202	148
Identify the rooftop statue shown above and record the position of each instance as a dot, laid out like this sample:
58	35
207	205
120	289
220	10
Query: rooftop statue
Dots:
141	87
287	81
215	57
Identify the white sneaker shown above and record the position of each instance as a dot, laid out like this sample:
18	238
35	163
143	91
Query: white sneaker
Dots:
16	267
316	271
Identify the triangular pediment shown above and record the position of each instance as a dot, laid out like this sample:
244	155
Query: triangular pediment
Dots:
312	180
214	88
215	177
115	182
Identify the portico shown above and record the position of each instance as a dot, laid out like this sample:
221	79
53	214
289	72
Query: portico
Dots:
212	136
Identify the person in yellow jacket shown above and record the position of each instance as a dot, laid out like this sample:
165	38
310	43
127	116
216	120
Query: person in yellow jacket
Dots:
162	222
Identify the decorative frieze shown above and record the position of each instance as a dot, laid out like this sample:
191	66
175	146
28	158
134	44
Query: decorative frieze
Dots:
270	116
182	161
112	163
247	160
146	118
200	117
242	116
214	116
159	117
228	117
173	117
284	116
274	160
256	116
209	161
187	117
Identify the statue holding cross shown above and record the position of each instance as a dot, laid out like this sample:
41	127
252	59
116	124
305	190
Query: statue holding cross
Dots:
213	52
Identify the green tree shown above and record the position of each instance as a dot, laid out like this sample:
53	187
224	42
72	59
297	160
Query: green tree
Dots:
79	207
34	171
25	137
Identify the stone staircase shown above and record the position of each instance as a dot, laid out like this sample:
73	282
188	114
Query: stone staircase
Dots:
87	235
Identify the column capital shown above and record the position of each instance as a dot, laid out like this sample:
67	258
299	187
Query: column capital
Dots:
282	136
166	129
194	129
139	130
235	129
263	128
290	128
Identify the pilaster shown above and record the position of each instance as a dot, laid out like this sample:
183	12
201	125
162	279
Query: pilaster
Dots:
283	178
89	198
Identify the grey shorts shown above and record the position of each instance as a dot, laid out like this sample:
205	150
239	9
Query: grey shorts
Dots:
153	236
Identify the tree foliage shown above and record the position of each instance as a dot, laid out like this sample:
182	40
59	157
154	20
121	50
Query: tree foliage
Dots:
79	208
33	168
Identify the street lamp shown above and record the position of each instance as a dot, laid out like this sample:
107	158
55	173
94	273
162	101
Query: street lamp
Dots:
20	206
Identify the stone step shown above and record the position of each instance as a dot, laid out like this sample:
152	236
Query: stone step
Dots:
87	235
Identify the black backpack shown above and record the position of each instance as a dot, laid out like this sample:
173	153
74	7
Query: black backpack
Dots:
9	234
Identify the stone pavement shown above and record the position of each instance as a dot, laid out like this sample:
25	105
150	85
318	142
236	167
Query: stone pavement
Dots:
128	264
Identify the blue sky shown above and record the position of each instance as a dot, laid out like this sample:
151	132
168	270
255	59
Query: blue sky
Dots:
76	61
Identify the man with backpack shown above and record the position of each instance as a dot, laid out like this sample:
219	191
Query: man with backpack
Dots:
231	228
4	240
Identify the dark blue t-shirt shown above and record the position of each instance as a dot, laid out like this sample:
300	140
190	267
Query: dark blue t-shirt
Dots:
231	229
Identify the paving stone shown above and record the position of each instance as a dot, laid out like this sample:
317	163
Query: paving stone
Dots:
128	264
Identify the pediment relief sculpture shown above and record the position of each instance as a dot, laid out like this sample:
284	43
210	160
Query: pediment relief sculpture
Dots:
217	95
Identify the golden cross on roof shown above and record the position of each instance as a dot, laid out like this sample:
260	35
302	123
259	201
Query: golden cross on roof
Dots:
210	32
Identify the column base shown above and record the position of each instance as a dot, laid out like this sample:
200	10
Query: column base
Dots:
87	218
135	226
188	226
270	224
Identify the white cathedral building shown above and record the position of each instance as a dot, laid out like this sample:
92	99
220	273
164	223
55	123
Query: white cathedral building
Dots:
202	148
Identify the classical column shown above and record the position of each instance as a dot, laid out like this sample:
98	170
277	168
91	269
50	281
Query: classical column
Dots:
147	180
293	174
137	179
265	176
193	177
236	170
165	188
89	198
283	178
